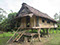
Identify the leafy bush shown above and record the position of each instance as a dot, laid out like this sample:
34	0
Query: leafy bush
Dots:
8	23
6	34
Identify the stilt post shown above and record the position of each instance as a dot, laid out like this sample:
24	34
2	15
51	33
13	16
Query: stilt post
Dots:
48	32
43	32
39	34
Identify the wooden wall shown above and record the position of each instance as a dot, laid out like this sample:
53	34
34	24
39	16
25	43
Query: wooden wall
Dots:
33	23
23	22
45	24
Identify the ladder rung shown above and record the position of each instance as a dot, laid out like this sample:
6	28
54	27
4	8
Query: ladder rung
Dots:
21	35
16	37
13	35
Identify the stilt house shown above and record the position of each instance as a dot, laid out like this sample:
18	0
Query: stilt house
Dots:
31	18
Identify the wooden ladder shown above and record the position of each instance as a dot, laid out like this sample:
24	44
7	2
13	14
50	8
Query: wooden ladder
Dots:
13	35
19	36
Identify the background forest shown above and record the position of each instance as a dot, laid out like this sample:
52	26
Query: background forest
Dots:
7	23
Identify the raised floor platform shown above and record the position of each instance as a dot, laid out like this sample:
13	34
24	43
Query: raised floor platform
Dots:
33	27
30	34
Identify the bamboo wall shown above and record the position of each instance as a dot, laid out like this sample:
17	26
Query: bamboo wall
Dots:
33	23
23	22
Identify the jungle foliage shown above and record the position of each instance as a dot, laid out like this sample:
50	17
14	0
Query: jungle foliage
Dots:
8	23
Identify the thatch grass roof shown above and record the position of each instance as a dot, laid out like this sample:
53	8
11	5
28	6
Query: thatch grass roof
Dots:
34	12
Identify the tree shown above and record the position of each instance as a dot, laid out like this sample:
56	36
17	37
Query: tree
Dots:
56	16
11	17
59	16
2	12
5	25
8	23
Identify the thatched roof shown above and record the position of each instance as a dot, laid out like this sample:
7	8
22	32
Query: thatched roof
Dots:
31	10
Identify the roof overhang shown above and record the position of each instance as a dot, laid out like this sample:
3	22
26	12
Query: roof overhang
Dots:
24	15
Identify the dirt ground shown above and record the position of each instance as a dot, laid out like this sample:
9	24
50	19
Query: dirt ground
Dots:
33	43
27	43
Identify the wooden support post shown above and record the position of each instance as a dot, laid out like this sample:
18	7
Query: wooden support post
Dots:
25	39
48	32
43	32
32	30
53	30
32	39
34	22
39	34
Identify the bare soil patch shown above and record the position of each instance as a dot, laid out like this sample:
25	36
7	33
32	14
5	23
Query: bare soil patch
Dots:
33	43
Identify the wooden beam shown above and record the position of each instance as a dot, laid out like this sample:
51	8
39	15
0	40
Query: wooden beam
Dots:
25	39
39	34
48	32
13	35
43	32
34	22
31	39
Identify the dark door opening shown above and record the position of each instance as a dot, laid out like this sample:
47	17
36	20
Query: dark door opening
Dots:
37	21
27	21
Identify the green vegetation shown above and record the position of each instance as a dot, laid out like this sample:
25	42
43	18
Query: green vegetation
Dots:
54	34
8	23
8	34
3	40
55	40
2	12
34	31
5	37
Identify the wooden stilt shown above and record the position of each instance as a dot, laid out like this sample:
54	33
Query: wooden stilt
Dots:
32	30
39	34
43	31
25	39
32	39
44	34
48	32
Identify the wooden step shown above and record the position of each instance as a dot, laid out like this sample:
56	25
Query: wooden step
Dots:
16	37
12	36
20	35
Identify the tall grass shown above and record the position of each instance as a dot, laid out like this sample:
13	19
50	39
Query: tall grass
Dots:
8	34
55	39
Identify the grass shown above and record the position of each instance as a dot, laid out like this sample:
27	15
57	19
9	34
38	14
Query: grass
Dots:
8	34
55	40
34	31
5	37
3	40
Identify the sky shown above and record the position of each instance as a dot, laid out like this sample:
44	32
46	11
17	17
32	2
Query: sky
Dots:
49	7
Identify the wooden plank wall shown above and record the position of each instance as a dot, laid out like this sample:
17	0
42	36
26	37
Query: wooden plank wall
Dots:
23	22
33	23
45	24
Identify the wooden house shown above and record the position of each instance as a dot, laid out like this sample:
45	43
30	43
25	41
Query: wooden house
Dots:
31	18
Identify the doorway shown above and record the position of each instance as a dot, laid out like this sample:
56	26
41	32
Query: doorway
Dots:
27	21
